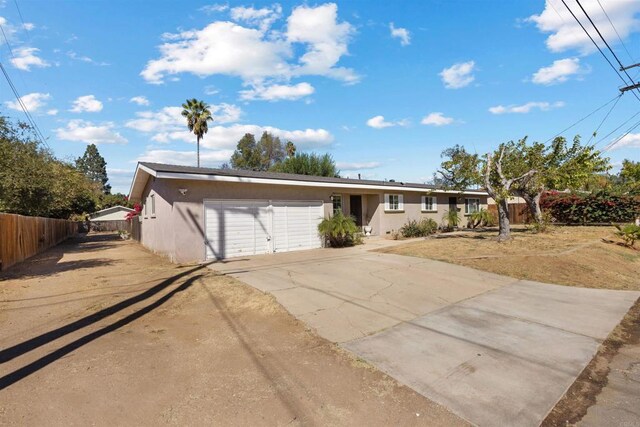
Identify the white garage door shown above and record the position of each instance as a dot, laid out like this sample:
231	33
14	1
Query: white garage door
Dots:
252	227
295	225
237	228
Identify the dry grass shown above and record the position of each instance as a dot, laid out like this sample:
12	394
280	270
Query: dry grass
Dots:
573	256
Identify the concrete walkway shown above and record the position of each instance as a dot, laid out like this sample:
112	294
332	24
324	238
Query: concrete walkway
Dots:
495	350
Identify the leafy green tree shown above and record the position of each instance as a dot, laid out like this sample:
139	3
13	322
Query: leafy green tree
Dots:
34	183
271	151
309	164
630	176
246	155
198	115
290	149
560	166
110	200
93	165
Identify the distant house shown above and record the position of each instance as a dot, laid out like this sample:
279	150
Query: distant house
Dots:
198	214
110	219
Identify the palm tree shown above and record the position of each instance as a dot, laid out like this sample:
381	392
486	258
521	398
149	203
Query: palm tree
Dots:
197	114
290	148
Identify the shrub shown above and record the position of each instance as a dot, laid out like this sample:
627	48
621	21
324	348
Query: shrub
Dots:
590	208
451	219
483	218
339	230
629	233
420	228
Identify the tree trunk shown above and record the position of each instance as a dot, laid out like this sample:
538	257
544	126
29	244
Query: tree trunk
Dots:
533	203
503	221
198	151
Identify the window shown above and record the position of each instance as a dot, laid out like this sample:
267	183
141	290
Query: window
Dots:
471	206
146	210
429	204
337	203
393	202
153	206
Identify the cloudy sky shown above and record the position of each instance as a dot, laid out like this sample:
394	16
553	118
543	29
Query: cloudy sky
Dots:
382	86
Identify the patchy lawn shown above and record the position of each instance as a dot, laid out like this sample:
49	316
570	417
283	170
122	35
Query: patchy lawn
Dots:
573	256
99	331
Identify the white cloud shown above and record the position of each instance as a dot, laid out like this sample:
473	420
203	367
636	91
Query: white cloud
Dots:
558	72
210	90
565	33
87	132
87	103
28	26
458	75
525	108
140	100
255	55
436	119
82	58
169	119
278	92
33	102
174	157
378	122
400	33
357	165
27	57
326	41
261	18
630	140
214	8
52	112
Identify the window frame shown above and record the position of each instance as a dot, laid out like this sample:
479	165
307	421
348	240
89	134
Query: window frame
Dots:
153	205
336	198
467	203
434	204
389	202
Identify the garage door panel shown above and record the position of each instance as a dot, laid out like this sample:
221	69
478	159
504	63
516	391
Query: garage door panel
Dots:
296	225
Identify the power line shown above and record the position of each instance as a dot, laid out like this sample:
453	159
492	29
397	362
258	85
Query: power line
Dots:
584	118
593	135
622	67
616	129
596	45
612	26
618	139
24	107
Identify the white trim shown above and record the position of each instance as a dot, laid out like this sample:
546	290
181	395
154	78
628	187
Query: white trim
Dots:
434	204
245	180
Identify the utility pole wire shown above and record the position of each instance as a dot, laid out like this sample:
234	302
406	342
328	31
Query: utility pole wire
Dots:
584	118
596	45
606	44
593	135
614	29
612	144
616	129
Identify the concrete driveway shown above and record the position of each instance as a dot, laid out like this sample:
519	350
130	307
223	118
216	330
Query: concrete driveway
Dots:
495	350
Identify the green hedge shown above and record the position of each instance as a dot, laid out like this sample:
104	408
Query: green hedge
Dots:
574	208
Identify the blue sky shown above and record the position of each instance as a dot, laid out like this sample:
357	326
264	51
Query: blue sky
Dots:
382	86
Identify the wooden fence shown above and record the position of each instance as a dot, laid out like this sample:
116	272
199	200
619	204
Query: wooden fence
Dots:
518	212
22	237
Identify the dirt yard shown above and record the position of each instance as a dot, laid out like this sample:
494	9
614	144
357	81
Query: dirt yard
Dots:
98	331
573	256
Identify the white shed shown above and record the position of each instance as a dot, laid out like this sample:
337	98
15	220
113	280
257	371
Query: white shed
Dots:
114	213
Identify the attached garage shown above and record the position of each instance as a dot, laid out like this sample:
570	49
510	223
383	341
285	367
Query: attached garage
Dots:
252	227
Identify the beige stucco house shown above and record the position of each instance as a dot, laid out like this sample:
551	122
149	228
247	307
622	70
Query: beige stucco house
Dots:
197	214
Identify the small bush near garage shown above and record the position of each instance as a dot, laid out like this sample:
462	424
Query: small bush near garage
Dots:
420	228
340	230
590	208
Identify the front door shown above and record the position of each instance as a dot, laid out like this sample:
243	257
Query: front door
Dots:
355	203
453	204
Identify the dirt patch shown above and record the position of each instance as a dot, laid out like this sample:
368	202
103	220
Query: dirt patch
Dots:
125	337
582	394
572	256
